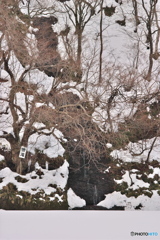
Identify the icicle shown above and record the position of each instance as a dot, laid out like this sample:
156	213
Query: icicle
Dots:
29	165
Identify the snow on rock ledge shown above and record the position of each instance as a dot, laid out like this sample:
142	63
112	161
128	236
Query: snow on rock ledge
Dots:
118	199
56	177
74	200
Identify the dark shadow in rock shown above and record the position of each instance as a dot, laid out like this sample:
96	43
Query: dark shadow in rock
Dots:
47	43
92	207
92	187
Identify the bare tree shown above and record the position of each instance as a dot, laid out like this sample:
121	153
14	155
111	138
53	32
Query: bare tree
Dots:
101	41
88	119
19	115
80	14
136	15
23	114
151	15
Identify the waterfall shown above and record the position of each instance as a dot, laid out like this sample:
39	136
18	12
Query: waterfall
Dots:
95	195
84	163
29	165
47	164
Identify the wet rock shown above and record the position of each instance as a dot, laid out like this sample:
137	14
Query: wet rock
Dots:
63	0
53	163
109	11
119	1
47	43
88	157
121	22
92	186
92	207
20	179
39	21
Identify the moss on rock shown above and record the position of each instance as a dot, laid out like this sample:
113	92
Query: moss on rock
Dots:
12	199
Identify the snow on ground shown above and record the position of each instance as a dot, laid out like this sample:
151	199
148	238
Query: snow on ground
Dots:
155	171
138	183
138	152
43	82
74	200
122	48
118	199
125	178
58	177
132	181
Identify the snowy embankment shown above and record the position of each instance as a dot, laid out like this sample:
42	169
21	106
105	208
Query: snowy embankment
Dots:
140	151
145	203
143	183
34	183
45	184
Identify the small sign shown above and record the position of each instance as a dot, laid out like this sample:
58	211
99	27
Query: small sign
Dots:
23	151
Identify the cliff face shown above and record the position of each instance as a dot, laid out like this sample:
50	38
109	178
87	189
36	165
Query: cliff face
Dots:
90	184
48	56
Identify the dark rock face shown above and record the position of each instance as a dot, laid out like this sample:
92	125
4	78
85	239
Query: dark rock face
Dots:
47	42
53	163
59	100
87	179
63	0
119	1
99	208
8	160
86	150
91	185
121	22
109	11
38	22
49	59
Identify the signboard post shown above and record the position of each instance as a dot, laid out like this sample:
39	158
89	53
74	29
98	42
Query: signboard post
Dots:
23	151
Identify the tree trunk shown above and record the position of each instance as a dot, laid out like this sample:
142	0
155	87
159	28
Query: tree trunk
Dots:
15	149
101	43
19	166
79	48
150	41
137	21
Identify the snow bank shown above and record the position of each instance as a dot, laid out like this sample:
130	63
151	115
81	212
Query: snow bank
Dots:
116	198
49	145
56	177
138	152
74	200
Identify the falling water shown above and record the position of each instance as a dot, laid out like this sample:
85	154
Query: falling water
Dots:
29	165
47	164
95	195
